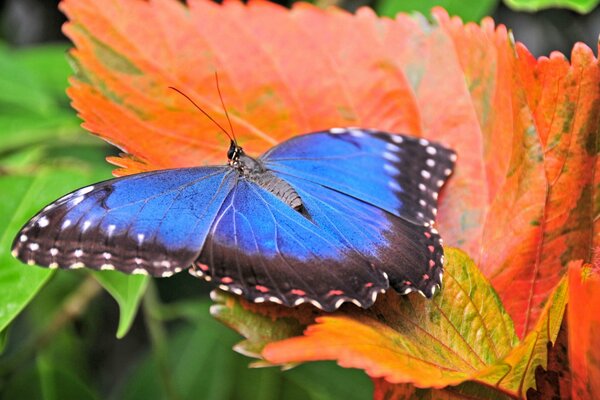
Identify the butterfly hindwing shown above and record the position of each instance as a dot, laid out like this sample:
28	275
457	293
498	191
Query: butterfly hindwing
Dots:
267	251
153	223
410	254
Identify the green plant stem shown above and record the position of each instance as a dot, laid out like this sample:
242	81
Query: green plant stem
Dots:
150	306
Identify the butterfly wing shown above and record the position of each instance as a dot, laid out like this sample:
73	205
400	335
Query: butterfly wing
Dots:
397	173
153	223
375	192
267	251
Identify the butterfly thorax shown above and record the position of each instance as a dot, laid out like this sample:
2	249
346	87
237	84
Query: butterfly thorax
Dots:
253	170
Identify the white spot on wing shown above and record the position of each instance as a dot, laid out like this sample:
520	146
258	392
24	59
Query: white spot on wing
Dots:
430	162
111	229
356	133
140	238
77	200
106	255
392	147
53	265
396	138
338	303
53	251
425	174
83	191
394	185
274	299
86	225
34	246
167	274
391	169
453	157
43	222
23	238
337	130
78	253
107	267
390	156
430	150
66	224
423	142
76	265
139	271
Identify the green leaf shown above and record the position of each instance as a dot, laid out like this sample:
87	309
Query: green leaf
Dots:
21	197
62	369
127	290
581	6
516	372
472	10
202	365
49	64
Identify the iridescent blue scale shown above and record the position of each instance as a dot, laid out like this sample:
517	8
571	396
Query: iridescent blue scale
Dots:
326	218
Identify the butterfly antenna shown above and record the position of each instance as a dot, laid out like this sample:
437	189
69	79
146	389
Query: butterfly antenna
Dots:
205	113
225	108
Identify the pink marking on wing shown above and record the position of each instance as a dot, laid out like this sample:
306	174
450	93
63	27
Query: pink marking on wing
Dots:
226	279
202	267
298	292
335	292
430	248
262	289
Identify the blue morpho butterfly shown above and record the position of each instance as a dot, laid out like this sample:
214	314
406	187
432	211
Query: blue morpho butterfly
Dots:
326	218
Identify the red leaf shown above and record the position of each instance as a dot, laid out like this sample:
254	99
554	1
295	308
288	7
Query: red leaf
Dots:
584	330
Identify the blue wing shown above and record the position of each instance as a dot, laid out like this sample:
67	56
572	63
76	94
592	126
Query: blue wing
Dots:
375	192
399	174
267	251
154	222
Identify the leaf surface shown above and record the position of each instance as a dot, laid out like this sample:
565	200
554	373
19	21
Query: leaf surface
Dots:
584	328
433	343
581	6
127	290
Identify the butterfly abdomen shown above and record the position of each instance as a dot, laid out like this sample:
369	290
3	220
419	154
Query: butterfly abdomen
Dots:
280	188
253	170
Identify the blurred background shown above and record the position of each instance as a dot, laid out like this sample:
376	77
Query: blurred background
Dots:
63	346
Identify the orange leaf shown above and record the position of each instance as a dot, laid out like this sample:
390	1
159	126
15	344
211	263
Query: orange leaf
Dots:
278	78
584	330
520	202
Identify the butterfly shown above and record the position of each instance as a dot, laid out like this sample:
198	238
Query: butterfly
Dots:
326	218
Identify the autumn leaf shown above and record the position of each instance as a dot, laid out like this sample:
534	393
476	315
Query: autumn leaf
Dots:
523	200
463	337
584	330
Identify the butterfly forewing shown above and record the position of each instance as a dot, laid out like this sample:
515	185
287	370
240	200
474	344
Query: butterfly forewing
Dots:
400	174
153	223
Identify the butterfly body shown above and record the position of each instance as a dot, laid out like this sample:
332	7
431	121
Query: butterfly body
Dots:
329	217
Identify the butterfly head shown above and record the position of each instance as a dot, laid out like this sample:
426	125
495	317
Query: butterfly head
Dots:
234	152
